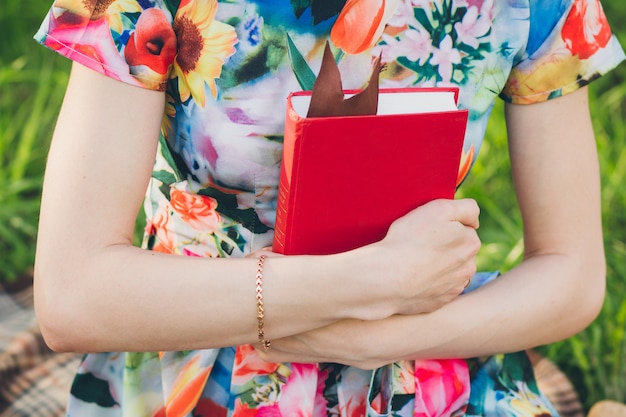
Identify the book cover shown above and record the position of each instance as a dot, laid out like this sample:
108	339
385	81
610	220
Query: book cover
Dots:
345	179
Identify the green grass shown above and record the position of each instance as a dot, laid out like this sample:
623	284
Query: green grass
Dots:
32	81
22	153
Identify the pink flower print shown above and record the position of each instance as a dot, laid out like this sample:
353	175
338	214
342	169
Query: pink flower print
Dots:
472	27
403	16
320	403
297	396
91	44
417	44
446	56
389	51
414	44
269	411
457	4
485	6
442	387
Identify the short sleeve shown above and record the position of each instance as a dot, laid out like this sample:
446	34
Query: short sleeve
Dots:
122	39
570	44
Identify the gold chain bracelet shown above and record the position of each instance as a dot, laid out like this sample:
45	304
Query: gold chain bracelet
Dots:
260	313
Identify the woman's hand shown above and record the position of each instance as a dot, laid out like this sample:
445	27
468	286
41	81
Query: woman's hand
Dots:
347	342
424	262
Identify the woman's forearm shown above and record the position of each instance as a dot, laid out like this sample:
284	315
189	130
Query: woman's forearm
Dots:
545	299
126	298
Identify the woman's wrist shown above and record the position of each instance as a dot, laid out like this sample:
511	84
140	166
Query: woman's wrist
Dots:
324	289
359	284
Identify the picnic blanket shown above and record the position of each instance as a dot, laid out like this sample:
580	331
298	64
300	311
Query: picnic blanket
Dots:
34	381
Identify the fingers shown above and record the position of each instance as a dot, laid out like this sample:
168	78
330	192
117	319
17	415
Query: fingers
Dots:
442	242
466	211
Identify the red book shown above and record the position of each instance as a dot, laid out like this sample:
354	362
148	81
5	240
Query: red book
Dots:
345	179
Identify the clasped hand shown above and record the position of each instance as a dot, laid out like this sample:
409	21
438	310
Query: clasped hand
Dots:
424	263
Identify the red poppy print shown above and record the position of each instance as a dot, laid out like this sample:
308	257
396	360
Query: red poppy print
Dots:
153	43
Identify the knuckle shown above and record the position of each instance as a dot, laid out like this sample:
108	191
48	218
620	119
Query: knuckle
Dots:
466	269
471	204
473	241
475	245
448	207
444	208
470	270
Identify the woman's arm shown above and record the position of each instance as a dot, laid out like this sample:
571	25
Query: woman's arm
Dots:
94	291
555	292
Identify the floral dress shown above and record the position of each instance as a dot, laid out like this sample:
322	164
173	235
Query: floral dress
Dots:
226	68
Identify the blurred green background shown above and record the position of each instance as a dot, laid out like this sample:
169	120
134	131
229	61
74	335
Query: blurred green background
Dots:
32	82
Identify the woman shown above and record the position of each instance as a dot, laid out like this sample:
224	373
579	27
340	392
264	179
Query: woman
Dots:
380	330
